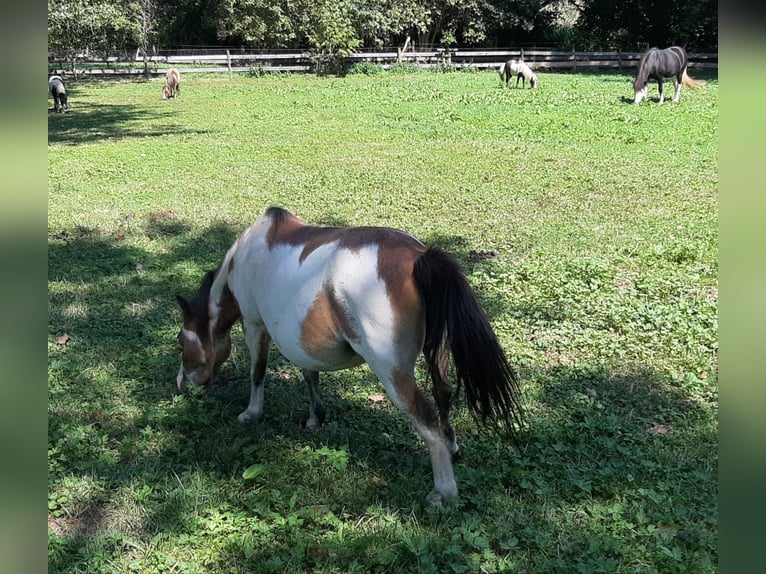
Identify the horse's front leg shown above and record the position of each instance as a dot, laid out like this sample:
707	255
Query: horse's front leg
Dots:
316	408
659	87
258	341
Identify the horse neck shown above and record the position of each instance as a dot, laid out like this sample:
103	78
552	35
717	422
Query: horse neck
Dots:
643	72
223	308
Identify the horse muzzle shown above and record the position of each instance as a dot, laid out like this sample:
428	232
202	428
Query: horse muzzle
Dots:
196	377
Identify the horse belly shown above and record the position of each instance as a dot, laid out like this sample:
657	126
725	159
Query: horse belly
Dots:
335	356
297	304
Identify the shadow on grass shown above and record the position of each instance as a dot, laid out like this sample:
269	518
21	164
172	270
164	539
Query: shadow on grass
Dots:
620	448
589	449
97	122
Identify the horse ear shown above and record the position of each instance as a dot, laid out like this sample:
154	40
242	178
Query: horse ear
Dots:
184	304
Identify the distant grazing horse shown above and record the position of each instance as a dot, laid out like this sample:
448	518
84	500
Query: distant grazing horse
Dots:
335	297
661	64
172	84
58	91
522	71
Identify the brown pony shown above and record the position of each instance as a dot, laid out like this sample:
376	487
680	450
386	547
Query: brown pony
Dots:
172	84
331	298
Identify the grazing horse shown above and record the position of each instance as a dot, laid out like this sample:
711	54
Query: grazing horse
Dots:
172	84
331	298
661	64
522	71
58	91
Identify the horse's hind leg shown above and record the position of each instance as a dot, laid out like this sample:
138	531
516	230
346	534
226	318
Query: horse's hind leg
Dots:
316	408
659	87
677	83
443	397
258	341
403	391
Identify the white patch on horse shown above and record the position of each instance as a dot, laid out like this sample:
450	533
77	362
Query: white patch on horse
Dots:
192	337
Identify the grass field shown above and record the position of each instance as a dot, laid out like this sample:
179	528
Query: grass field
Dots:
586	225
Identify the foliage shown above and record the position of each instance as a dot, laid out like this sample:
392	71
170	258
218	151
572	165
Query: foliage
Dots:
80	25
644	23
404	68
331	34
335	26
595	261
366	68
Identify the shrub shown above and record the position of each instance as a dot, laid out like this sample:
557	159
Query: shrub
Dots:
366	68
404	68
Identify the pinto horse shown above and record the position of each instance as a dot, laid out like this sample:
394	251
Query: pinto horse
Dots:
172	84
331	298
58	91
658	65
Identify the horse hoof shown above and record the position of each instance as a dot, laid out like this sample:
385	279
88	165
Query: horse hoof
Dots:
440	500
247	417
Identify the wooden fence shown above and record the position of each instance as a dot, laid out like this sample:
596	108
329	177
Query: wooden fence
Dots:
239	61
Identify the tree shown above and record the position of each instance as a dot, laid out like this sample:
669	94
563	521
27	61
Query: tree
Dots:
80	26
638	24
331	31
144	15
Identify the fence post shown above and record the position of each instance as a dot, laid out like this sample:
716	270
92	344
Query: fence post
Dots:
228	62
574	59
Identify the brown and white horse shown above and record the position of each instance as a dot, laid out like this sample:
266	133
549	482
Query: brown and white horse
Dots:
332	298
172	84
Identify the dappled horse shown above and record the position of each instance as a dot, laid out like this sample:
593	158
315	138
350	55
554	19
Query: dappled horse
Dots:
58	91
661	64
522	72
172	84
331	298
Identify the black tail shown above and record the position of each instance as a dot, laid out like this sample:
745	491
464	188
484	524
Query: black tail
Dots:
456	322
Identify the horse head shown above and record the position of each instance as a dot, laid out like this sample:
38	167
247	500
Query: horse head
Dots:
640	94
204	347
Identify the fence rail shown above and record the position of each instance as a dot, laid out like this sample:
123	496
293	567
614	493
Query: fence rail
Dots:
238	61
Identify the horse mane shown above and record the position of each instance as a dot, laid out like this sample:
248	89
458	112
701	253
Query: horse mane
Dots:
199	305
278	214
642	77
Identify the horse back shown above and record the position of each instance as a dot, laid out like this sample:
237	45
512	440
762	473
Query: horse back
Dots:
173	77
56	85
321	291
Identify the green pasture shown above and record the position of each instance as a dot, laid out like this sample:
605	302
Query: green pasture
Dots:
586	225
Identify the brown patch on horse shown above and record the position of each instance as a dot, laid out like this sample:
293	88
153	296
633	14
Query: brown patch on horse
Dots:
228	310
327	328
395	264
287	229
414	401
